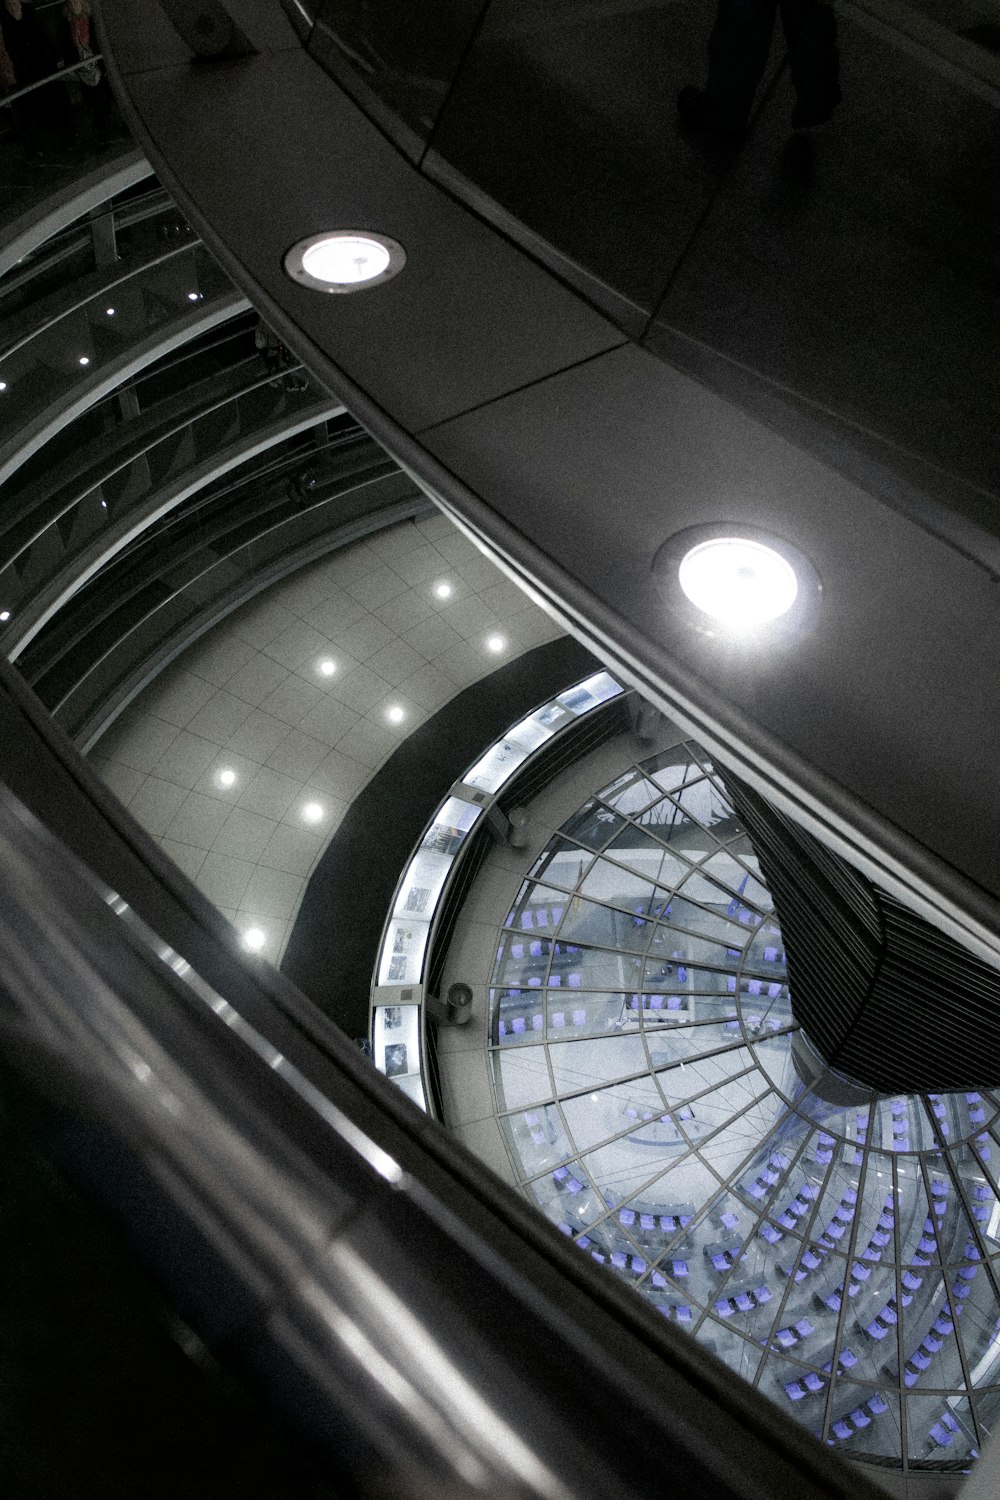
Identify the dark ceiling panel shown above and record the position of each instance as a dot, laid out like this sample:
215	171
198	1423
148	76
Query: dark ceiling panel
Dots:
469	318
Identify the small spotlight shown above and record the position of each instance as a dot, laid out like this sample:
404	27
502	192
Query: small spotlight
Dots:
326	667
3	385
109	312
104	505
254	938
395	714
442	590
226	777
344	261
4	614
496	643
312	812
193	296
85	359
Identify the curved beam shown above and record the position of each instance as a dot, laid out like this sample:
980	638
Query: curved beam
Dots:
33	228
84	564
59	414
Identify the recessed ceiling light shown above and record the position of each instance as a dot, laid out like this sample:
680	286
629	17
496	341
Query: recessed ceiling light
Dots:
326	667
254	938
395	714
442	590
4	614
226	777
109	312
345	260
496	643
193	296
3	385
739	582
312	812
85	359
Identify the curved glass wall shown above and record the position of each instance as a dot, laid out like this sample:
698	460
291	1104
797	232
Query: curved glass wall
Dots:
836	1249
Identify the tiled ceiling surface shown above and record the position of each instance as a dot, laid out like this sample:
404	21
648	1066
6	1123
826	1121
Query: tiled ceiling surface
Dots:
251	698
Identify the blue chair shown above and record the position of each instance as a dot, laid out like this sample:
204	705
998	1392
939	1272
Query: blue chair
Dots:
876	1405
762	1294
647	1221
683	1314
626	1216
841	1429
680	1267
744	1301
803	1328
848	1358
725	1308
794	1391
921	1360
941	1436
812	1382
860	1418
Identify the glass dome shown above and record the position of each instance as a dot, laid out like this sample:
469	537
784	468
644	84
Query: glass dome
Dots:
835	1248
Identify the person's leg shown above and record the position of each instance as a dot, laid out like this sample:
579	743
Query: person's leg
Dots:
810	28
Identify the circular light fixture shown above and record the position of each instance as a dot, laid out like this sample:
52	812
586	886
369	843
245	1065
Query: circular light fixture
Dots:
109	312
3	385
254	938
4	614
496	643
226	777
395	714
312	812
326	667
345	260
85	359
738	582
193	296
442	590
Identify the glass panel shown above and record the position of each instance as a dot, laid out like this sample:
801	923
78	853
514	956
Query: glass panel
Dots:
521	1077
537	1138
630	793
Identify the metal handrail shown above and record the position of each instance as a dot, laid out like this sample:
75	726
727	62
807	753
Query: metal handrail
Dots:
40	83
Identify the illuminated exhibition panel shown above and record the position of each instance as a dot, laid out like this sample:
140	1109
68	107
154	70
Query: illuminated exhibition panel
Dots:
836	1248
397	999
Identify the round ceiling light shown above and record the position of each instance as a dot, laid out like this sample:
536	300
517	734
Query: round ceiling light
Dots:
226	777
254	938
346	260
326	667
312	812
739	583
